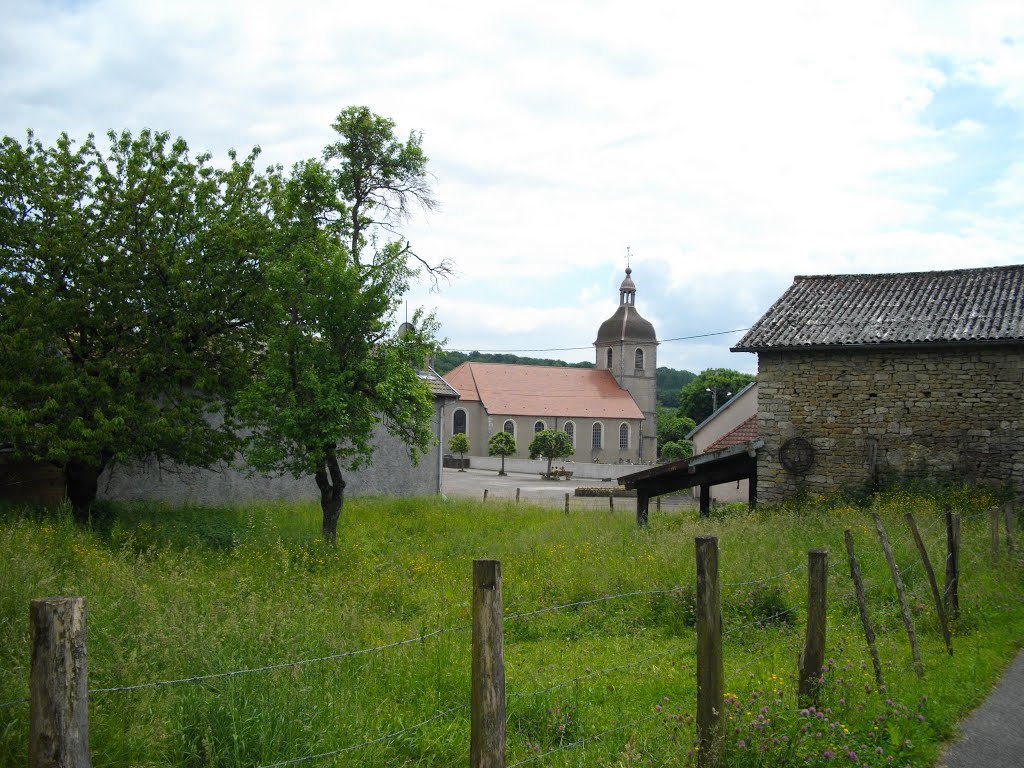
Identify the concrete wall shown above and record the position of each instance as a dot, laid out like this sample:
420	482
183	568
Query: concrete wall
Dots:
536	466
392	473
725	420
919	412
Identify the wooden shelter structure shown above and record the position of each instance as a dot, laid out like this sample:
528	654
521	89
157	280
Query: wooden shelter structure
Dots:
737	462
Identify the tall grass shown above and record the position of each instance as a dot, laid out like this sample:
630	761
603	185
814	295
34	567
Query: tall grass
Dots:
177	593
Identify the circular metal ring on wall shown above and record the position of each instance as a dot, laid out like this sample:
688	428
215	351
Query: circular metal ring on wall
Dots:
796	455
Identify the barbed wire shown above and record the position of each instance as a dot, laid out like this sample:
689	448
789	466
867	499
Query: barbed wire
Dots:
760	622
579	603
765	579
595	673
370	742
283	665
14	703
584	740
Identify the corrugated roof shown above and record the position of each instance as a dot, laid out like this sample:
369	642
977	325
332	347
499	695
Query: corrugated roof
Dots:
537	390
957	306
743	433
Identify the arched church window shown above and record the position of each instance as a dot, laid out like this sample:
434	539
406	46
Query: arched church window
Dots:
538	427
570	430
510	427
609	357
459	422
597	436
638	359
623	436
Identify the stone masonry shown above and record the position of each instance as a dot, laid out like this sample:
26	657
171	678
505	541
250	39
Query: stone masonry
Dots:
905	412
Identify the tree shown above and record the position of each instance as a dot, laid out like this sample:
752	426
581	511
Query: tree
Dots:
674	451
459	443
696	402
501	444
551	444
128	283
331	369
672	427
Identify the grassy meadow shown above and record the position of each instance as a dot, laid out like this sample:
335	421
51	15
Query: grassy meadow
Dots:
180	593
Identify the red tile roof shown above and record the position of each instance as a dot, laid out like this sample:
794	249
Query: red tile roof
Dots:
537	390
744	433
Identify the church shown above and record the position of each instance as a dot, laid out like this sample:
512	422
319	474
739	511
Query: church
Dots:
609	411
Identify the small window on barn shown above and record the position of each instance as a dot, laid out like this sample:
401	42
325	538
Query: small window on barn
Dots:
510	427
623	436
609	358
597	436
638	359
538	427
570	430
459	422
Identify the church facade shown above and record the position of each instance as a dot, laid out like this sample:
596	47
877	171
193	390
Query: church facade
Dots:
609	411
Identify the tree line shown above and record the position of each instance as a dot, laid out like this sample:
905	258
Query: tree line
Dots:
155	306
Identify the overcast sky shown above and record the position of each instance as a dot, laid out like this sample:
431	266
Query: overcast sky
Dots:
731	146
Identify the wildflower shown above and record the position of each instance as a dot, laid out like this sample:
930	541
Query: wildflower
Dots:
828	754
852	755
878	750
657	707
742	744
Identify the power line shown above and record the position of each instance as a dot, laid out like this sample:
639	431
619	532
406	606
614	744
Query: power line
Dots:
588	346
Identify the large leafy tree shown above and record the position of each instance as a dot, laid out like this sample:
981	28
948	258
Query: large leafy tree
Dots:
501	444
332	369
550	444
128	280
697	402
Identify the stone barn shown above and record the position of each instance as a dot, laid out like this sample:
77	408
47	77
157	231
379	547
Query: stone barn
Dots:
865	379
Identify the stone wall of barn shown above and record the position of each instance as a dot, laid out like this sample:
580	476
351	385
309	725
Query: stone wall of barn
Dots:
939	413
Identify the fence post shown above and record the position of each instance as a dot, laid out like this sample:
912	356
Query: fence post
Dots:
567	503
59	704
657	503
908	622
951	593
993	533
487	708
931	580
517	495
1008	522
710	674
611	502
862	606
485	494
813	657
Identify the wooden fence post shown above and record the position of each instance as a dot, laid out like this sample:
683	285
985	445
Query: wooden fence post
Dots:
862	606
908	622
710	674
611	502
931	580
485	494
517	495
993	534
813	657
567	503
1008	522
59	702
487	707
951	592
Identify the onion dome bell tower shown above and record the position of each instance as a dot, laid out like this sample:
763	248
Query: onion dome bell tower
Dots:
627	346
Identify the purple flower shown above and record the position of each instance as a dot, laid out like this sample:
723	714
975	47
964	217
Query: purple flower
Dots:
742	744
878	750
828	754
852	755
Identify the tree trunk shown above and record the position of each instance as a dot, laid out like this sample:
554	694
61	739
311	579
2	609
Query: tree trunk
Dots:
81	481
332	494
549	466
502	464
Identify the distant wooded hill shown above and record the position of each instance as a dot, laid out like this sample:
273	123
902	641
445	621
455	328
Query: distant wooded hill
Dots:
670	381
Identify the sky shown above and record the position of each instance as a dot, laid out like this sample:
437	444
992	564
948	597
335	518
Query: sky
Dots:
729	146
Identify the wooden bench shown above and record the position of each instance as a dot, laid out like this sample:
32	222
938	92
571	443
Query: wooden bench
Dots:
556	474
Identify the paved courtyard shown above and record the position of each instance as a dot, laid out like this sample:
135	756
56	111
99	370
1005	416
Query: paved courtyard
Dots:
473	482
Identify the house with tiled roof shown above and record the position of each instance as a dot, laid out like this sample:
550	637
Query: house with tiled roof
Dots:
869	378
734	423
609	411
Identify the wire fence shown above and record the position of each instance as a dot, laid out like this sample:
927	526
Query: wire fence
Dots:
765	652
